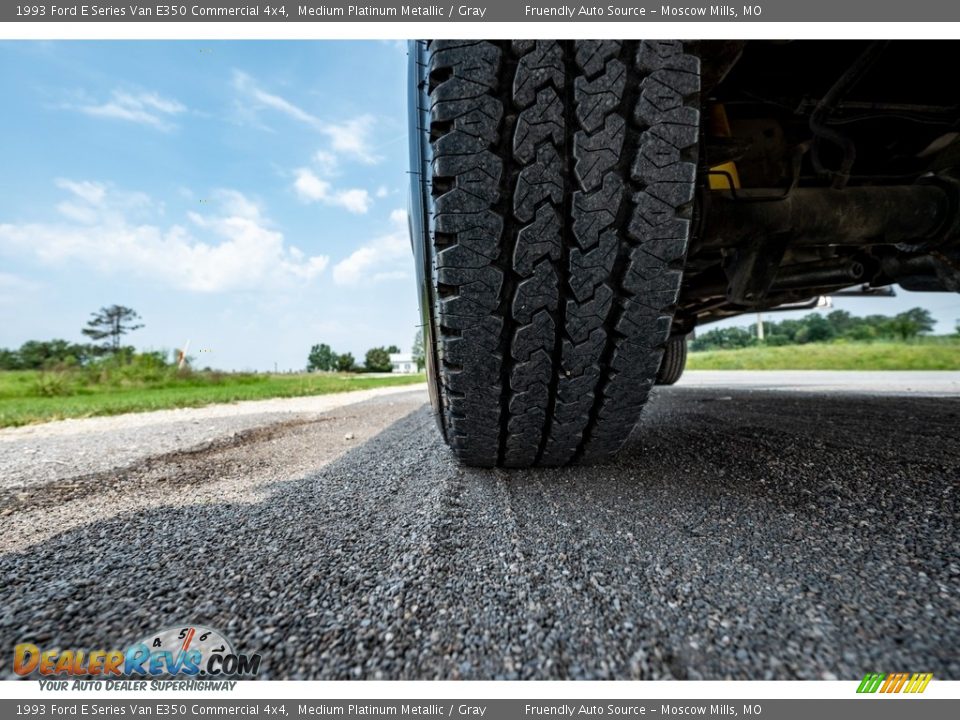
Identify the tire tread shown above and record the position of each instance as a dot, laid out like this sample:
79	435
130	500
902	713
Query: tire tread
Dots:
563	180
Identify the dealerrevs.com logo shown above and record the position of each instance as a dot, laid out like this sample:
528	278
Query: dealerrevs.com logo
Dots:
190	651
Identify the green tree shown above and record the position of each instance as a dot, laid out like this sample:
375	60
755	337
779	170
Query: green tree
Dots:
878	326
9	359
378	360
393	350
816	328
788	329
723	339
776	340
321	357
346	362
841	321
862	331
418	357
111	324
913	322
40	354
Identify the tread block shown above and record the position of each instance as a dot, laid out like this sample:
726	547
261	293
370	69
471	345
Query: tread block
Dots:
536	292
590	269
477	174
599	153
594	212
539	239
660	161
479	231
653	55
528	338
582	318
597	98
477	115
662	242
473	60
539	181
592	55
541	121
542	64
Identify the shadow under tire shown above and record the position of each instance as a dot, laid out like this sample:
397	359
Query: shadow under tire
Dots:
561	186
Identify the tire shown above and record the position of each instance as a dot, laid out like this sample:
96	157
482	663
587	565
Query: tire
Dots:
674	361
561	183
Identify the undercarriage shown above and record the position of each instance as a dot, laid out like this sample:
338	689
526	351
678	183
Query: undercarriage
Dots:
825	166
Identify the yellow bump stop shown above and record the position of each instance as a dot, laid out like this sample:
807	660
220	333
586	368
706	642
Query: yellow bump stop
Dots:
720	126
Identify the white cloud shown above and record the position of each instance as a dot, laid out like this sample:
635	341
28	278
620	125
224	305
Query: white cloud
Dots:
384	258
234	202
87	202
311	188
350	138
353	138
146	108
232	247
355	200
78	212
326	162
248	86
91	192
382	191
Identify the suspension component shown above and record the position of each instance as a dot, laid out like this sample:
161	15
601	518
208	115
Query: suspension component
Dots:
915	214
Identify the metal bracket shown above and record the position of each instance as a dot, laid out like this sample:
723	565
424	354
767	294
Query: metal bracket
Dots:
752	268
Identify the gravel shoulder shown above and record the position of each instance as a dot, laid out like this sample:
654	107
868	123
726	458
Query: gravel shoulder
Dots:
742	533
39	454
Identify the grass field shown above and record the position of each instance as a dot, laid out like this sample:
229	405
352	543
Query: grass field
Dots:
931	354
29	396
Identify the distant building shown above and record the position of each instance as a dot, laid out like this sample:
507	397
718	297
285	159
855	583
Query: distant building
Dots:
403	363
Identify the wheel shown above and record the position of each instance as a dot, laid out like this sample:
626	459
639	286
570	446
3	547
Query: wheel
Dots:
552	211
674	361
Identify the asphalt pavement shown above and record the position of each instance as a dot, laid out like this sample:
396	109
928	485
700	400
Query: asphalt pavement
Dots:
746	531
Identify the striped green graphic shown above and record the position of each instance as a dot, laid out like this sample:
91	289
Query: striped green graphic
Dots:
894	682
870	683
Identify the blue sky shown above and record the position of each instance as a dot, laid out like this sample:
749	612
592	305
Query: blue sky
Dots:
246	196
